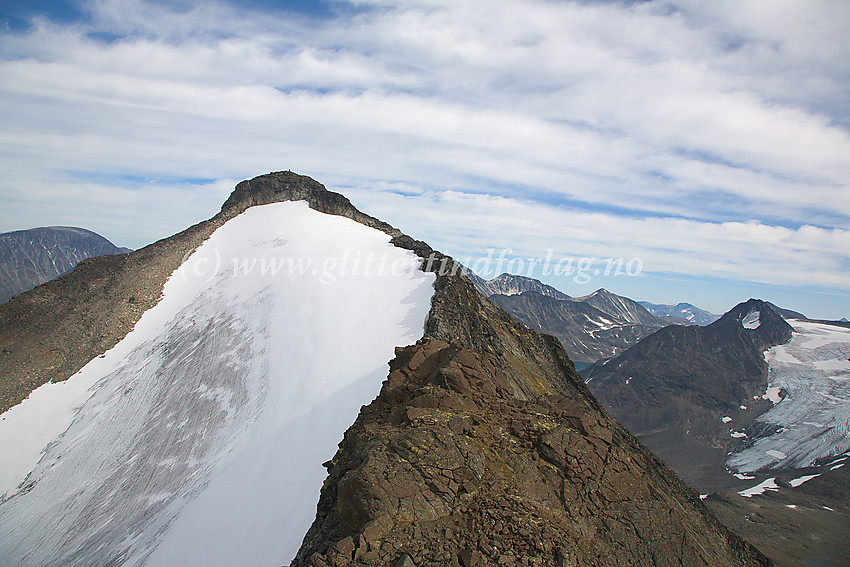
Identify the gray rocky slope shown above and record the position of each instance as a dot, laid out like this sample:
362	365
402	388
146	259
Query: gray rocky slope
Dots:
31	257
483	448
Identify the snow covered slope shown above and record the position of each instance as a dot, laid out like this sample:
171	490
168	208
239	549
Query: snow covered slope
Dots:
199	438
812	421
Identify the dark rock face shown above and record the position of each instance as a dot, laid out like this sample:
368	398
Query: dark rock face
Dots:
448	467
786	313
31	257
673	387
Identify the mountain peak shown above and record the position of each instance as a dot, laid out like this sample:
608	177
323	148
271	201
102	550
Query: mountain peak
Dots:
282	186
625	309
758	319
512	284
685	377
601	292
740	310
276	186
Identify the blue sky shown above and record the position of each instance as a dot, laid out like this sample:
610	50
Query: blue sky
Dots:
706	142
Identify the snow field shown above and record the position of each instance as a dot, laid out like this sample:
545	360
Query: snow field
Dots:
761	488
199	438
752	320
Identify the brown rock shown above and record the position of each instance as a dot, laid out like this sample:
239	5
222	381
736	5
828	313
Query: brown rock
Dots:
404	561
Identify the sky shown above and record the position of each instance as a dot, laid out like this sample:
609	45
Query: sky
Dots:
670	150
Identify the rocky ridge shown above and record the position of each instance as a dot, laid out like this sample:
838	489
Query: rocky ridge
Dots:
484	446
448	467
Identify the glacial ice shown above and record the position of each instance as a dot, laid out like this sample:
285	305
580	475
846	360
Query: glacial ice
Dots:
813	421
199	439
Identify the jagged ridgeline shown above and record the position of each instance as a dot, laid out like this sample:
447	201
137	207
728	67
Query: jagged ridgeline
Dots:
483	446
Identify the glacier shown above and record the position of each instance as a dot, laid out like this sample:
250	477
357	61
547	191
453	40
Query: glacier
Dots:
199	438
812	422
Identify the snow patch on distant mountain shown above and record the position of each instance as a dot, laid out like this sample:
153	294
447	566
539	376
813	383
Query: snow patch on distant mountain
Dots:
209	423
685	311
752	320
813	421
795	482
761	488
511	284
773	394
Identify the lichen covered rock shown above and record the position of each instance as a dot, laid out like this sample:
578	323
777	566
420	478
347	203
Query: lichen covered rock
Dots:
448	467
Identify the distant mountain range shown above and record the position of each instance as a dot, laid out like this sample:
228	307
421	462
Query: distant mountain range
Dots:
31	257
590	328
686	311
510	284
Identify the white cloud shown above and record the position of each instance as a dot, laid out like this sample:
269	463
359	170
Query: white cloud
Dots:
729	115
468	225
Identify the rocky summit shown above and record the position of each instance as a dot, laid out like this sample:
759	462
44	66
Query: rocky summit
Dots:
483	447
